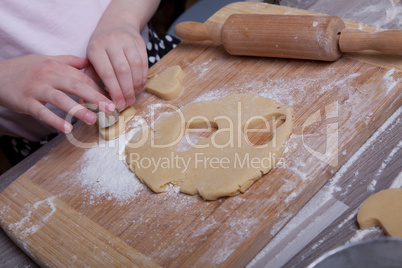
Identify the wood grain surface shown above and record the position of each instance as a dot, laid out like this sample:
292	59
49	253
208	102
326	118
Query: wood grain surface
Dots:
46	213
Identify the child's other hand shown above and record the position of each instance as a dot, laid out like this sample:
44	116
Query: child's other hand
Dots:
118	55
28	83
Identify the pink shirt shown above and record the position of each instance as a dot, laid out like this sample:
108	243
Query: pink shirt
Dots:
47	27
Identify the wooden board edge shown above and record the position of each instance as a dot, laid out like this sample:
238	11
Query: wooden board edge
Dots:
54	234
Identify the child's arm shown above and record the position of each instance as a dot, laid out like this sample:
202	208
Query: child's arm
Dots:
117	51
28	83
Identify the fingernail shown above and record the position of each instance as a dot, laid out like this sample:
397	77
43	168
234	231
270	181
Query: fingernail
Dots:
110	106
120	104
67	127
90	118
130	101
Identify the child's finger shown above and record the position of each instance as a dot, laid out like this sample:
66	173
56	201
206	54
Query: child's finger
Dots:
136	64
40	111
144	56
76	62
124	73
90	72
65	103
104	69
78	84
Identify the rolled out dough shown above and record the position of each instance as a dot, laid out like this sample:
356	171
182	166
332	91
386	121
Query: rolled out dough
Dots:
166	85
115	130
384	209
224	164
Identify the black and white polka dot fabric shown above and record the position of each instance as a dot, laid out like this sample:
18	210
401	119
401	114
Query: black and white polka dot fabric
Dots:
16	149
159	45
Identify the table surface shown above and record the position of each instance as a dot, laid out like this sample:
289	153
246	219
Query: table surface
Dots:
323	223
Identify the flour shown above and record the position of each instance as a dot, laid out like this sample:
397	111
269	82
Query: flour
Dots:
203	68
397	183
104	172
389	158
348	219
299	231
361	234
240	229
371	186
28	226
213	94
284	218
287	90
387	124
390	81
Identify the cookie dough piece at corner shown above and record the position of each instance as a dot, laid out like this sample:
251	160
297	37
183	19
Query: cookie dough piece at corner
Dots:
115	130
166	85
384	209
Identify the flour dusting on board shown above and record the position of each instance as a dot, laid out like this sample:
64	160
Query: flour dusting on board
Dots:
286	90
28	225
390	81
104	171
393	119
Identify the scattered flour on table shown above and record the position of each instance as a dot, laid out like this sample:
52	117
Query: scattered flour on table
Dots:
351	216
384	164
104	171
397	183
340	173
326	195
294	235
362	234
358	236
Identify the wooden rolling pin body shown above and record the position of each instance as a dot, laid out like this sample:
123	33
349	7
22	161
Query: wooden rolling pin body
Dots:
289	36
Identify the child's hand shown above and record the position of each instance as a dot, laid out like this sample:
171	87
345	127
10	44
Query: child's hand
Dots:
117	51
118	55
28	83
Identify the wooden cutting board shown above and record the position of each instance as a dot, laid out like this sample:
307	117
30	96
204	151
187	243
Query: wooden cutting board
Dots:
61	217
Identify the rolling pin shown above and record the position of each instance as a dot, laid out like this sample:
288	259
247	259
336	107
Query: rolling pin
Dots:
290	36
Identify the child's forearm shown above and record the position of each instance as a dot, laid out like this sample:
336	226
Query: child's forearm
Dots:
134	12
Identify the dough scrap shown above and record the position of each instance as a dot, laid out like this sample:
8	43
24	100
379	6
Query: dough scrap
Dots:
159	167
115	130
166	85
384	209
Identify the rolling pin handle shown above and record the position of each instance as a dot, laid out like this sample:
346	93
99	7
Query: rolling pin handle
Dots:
387	42
196	31
192	31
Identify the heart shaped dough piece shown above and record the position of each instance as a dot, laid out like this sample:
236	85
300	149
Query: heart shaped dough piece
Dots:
166	85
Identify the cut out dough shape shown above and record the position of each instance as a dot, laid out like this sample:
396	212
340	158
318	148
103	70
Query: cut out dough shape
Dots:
166	85
384	209
234	173
115	130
